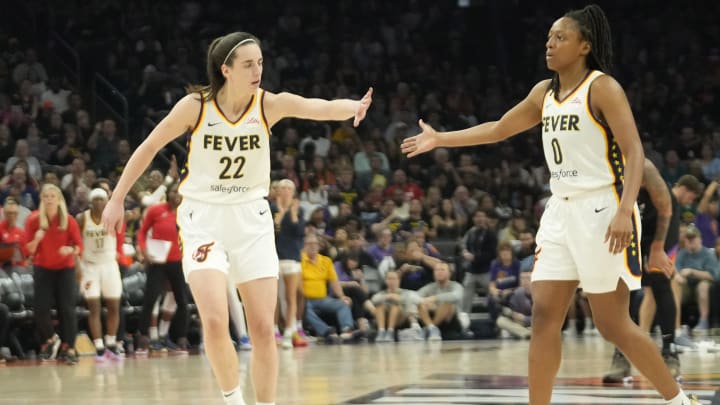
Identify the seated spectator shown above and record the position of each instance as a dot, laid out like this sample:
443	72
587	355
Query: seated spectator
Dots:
314	196
317	273
697	270
446	224
25	186
504	278
511	232
399	180
394	307
420	236
362	160
388	219
325	177
351	278
525	252
441	300
517	314
383	249
75	177
22	153
415	267
376	176
414	221
356	245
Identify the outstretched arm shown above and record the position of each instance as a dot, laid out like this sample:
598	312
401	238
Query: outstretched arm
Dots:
525	115
281	105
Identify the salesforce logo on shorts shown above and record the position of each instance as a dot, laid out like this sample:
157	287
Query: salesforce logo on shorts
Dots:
221	188
563	174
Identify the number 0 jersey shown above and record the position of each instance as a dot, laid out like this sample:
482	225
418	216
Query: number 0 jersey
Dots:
228	162
580	151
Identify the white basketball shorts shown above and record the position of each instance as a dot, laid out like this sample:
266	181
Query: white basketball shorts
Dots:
571	243
238	240
101	279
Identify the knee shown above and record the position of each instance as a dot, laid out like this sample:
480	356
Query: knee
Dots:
214	325
704	287
263	331
544	316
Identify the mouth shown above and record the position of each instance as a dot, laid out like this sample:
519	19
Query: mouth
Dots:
255	83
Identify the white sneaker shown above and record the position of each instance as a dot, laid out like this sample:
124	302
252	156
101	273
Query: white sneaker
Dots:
286	341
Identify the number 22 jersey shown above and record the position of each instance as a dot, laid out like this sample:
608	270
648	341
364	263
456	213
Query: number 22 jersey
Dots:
228	162
580	151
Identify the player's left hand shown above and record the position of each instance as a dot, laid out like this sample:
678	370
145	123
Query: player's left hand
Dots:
363	106
619	233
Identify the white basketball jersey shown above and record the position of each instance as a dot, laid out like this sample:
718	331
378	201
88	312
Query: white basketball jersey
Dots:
98	246
581	152
228	162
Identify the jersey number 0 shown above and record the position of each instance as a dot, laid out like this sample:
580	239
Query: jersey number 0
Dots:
228	162
557	152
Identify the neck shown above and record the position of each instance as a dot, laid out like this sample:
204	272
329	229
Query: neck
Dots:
95	215
51	212
235	101
571	77
442	283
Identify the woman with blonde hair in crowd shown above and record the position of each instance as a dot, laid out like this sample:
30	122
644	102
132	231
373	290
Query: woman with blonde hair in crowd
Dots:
53	239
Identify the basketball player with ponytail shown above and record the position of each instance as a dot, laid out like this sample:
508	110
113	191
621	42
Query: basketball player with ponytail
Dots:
226	228
589	234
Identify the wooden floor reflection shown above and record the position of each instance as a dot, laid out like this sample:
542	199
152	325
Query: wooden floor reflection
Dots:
480	372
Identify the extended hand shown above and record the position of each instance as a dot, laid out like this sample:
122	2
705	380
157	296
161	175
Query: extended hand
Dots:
363	107
425	141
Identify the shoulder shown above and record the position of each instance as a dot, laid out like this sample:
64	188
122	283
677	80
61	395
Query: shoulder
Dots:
188	109
537	93
604	87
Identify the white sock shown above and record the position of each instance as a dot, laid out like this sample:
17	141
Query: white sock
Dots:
110	340
153	333
298	324
391	331
98	344
381	330
234	396
164	327
288	332
680	399
571	324
264	403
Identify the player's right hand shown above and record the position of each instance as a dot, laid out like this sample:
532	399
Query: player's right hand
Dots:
423	142
113	216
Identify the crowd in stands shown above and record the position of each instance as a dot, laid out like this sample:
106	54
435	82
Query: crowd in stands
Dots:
402	242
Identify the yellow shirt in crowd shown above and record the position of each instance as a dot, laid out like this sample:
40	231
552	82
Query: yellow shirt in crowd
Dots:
316	276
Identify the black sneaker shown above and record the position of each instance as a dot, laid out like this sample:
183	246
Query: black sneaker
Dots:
619	370
49	350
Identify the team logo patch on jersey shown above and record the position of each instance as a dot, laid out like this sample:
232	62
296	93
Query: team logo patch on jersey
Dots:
201	253
253	120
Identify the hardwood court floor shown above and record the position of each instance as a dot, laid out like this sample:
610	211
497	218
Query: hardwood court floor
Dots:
480	372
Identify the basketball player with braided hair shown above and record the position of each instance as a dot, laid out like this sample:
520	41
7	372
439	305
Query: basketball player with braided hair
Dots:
589	234
226	227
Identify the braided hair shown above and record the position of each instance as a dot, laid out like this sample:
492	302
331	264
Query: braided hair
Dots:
594	27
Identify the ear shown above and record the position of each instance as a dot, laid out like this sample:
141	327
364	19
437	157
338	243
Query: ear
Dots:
225	70
585	48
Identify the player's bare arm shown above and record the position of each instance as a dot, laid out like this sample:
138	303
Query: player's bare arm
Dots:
523	116
281	105
610	104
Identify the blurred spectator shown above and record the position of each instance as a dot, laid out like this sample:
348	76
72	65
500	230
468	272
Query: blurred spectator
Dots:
318	273
412	190
446	224
22	153
706	218
30	69
376	176
103	145
12	232
22	187
478	250
351	278
697	270
395	307
504	278
55	97
362	161
441	300
415	267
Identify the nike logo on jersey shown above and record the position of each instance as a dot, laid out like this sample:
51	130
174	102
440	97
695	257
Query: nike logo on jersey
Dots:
600	209
262	212
212	124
